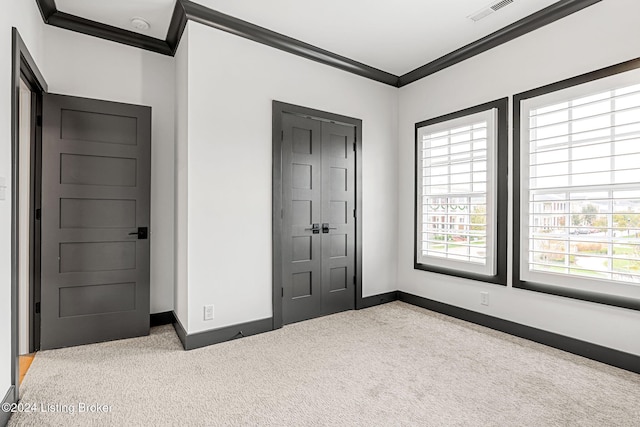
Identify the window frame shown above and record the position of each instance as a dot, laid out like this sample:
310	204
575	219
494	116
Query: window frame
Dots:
569	291
500	171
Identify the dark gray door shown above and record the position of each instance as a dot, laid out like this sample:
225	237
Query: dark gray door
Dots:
318	201
338	205
95	213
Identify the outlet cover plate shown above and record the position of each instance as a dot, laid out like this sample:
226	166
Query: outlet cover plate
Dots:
208	312
484	298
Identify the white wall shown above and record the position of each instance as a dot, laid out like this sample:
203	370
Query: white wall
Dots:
25	16
181	183
599	36
232	82
80	65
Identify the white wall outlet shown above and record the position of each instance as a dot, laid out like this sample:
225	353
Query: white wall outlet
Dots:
484	298
208	312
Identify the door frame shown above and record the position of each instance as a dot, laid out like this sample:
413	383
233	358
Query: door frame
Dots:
278	109
23	66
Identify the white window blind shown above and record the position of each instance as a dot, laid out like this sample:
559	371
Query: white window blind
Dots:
456	193
581	185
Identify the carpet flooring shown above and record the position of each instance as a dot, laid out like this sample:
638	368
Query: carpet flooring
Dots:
390	365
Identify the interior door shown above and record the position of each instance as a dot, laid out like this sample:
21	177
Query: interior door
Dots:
302	215
318	199
338	206
96	163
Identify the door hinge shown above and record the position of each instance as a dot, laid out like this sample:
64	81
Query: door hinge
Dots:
282	292
38	120
37	308
354	280
38	214
354	213
354	146
281	135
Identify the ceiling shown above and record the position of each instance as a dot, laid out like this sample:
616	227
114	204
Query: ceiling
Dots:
118	13
394	36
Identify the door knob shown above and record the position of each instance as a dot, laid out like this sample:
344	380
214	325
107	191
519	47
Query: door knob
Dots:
315	228
326	228
142	233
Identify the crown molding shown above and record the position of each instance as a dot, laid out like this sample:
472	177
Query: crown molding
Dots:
530	23
186	10
47	9
52	16
176	27
212	18
108	32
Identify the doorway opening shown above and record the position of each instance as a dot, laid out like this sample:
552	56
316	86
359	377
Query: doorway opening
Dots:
28	87
317	213
28	325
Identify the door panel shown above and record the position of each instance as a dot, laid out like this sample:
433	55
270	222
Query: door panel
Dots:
97	170
95	195
338	194
91	126
318	166
301	175
97	299
97	256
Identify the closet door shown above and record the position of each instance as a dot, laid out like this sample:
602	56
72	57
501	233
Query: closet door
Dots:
318	225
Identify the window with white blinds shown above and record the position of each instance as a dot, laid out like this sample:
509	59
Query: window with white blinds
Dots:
580	185
456	193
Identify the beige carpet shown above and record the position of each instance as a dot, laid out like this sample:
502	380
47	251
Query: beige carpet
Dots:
391	365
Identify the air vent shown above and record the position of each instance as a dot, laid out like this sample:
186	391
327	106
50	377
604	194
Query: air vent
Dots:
501	4
489	9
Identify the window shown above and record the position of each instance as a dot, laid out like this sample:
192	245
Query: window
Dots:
579	181
460	187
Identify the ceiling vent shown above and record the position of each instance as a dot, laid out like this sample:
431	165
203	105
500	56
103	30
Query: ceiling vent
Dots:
488	10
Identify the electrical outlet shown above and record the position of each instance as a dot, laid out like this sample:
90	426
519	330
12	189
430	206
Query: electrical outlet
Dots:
484	298
208	312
